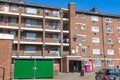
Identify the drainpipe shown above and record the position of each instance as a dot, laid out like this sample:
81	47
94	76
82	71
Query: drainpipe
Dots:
3	72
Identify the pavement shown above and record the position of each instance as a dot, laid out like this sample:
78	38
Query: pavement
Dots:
74	76
69	76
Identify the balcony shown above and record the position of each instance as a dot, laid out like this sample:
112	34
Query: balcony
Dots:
51	53
26	53
65	53
52	40
9	25
38	39
9	11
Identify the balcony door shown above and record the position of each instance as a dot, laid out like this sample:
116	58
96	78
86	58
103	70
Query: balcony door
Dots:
6	7
5	21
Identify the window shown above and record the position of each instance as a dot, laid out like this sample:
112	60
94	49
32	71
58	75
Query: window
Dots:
55	13
76	26
55	36
31	23
110	63
95	29
30	35
94	18
108	20
14	7
95	40
118	29
118	20
77	49
13	20
97	62
110	41
83	27
86	62
30	49
109	30
83	37
96	51
46	10
13	33
46	35
46	23
118	39
82	16
83	49
110	52
31	10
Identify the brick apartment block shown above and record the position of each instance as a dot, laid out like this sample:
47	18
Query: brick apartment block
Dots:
6	41
72	38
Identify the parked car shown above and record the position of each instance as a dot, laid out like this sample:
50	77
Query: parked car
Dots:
108	74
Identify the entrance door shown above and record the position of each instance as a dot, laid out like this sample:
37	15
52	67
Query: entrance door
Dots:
33	68
6	7
75	66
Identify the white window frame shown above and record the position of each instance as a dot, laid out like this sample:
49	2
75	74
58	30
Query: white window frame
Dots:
110	52
30	35
83	26
76	26
14	7
118	29
96	51
55	13
108	20
118	39
111	63
110	41
95	29
95	18
46	10
86	62
85	49
109	30
83	37
82	16
30	49
97	62
31	10
95	40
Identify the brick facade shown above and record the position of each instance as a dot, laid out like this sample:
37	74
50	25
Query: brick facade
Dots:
5	58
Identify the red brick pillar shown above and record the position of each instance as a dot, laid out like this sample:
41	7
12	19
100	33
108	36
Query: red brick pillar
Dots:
5	56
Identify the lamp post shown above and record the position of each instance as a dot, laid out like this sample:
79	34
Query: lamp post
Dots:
104	57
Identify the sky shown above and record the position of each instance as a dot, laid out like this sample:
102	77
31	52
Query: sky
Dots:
105	6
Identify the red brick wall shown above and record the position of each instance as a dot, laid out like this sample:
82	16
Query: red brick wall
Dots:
5	57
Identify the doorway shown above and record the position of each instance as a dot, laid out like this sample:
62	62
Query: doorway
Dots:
75	66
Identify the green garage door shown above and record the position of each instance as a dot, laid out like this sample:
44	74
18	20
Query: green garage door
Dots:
28	69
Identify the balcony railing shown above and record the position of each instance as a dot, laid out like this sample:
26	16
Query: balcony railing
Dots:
9	24
65	53
51	53
26	53
52	40
32	26
31	40
53	27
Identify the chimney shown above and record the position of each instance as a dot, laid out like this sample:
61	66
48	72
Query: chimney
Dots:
95	9
21	1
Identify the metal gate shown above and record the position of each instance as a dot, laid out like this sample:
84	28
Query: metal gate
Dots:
33	68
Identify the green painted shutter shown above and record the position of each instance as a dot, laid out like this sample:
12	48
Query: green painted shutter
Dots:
44	68
24	69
